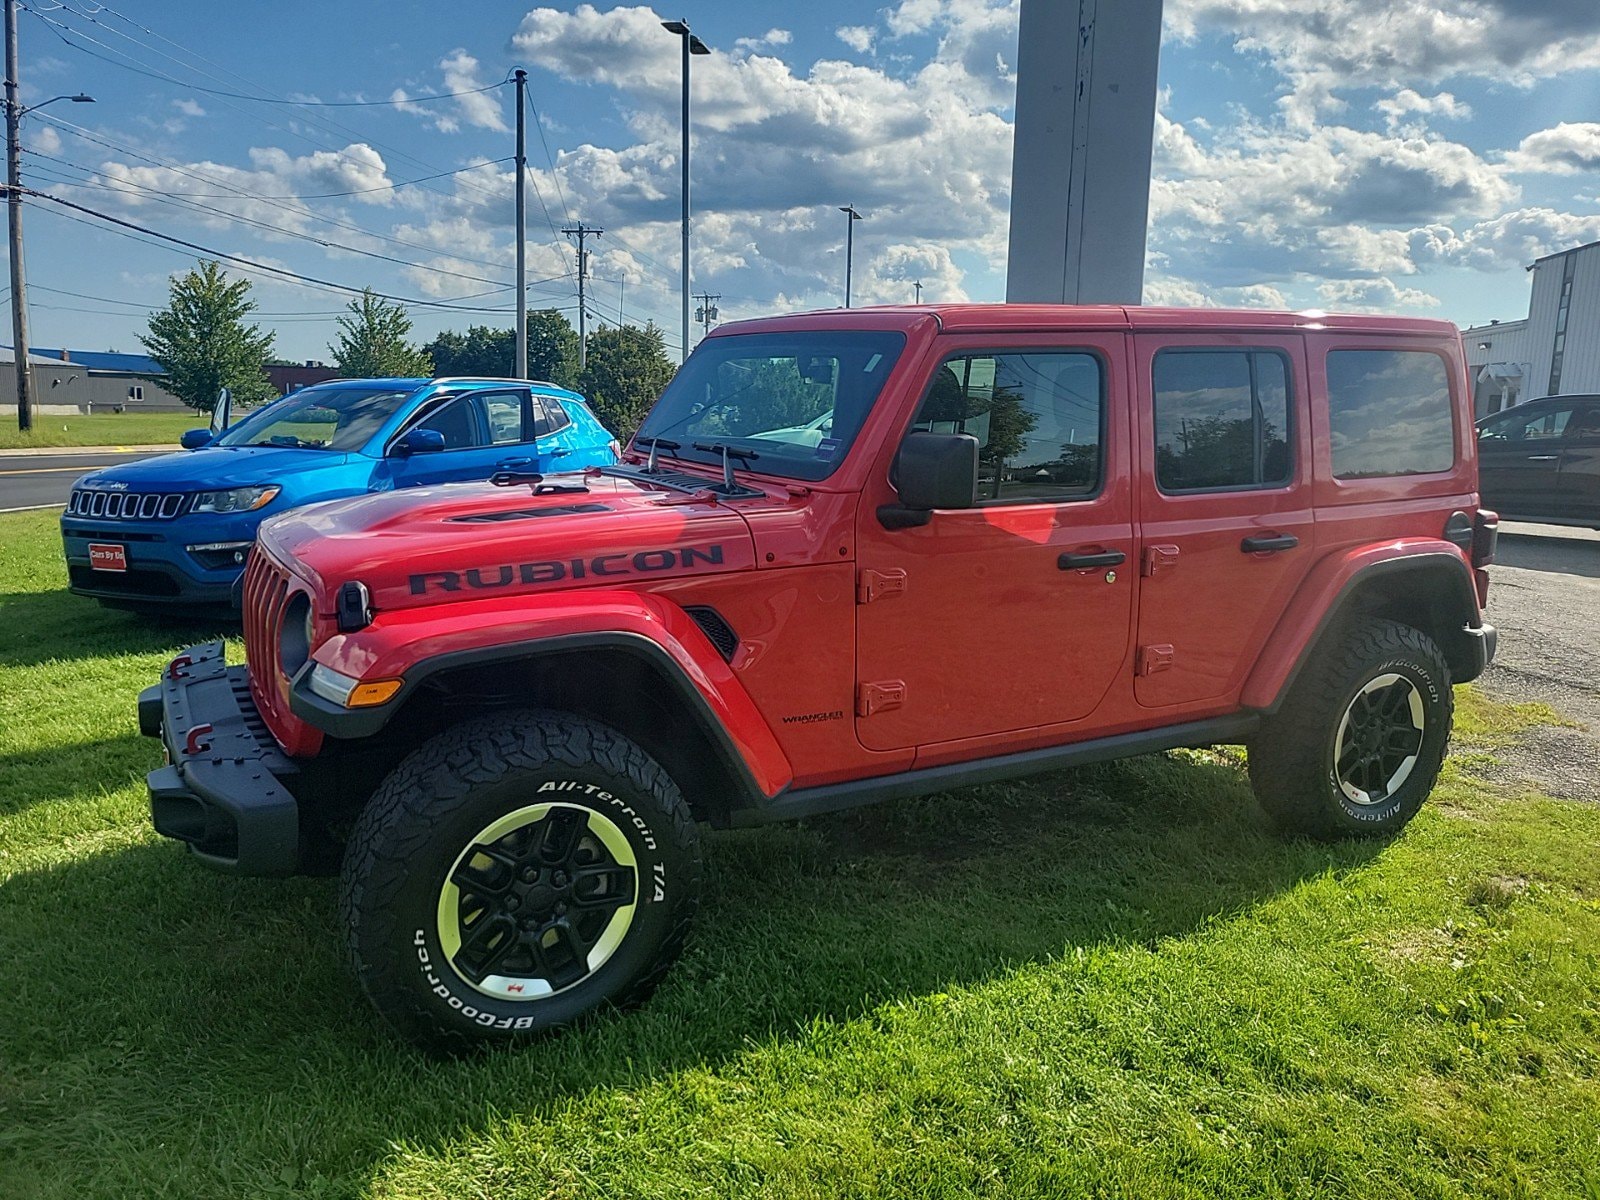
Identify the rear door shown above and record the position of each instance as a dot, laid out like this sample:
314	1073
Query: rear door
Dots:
1013	614
1225	506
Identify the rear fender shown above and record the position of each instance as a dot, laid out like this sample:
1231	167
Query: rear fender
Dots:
427	647
1423	582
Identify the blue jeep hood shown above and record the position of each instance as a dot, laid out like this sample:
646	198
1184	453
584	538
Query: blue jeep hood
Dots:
216	467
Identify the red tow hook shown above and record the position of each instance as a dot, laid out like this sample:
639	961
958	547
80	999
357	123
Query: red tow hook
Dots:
192	744
175	669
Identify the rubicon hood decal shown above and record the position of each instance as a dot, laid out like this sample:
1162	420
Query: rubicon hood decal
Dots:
461	542
610	566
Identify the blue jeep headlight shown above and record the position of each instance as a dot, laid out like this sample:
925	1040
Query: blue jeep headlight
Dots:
244	499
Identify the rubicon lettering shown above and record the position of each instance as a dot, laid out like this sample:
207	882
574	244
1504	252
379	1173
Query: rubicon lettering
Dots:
555	570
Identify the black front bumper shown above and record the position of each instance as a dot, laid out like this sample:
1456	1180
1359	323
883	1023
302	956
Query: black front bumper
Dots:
222	791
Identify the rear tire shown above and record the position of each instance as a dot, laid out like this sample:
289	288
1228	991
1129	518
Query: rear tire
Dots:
514	874
1358	743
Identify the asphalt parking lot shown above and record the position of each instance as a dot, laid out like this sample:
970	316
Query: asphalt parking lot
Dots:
1544	596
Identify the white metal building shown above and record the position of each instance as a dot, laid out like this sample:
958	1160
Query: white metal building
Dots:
1555	350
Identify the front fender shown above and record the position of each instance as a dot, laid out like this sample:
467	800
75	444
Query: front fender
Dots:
415	644
1325	591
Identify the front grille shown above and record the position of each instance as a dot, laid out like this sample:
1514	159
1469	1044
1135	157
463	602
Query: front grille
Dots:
132	582
266	592
126	506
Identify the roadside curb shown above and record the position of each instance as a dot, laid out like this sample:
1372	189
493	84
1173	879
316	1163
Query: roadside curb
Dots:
60	451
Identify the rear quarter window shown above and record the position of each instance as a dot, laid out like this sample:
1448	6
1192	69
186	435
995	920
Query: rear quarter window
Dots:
1390	413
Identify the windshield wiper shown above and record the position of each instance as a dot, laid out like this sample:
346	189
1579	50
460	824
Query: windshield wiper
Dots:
728	452
655	447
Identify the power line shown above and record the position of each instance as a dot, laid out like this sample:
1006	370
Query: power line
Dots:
92	18
167	164
183	202
247	263
387	187
311	115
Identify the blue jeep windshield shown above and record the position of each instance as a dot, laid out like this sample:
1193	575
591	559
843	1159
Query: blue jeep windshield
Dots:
786	404
318	418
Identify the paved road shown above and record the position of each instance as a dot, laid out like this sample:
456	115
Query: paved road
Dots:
27	480
1544	595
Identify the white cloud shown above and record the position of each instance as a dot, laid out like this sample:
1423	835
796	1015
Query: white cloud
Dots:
1407	103
1504	242
189	108
1566	149
769	40
859	38
475	107
1373	295
1339	45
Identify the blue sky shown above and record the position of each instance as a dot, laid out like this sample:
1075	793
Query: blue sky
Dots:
1411	156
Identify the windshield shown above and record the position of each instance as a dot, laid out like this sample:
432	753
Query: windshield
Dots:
785	404
318	418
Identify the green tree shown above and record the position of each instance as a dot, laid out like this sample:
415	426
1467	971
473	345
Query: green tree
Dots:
373	341
552	350
627	369
203	342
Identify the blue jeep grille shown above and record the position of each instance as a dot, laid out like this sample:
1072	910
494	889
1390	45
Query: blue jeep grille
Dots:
126	506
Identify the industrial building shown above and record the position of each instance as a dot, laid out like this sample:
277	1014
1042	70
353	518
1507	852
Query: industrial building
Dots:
1555	349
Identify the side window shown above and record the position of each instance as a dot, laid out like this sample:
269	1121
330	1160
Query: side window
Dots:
502	416
1526	427
454	421
1585	424
549	416
1037	417
1390	413
1221	419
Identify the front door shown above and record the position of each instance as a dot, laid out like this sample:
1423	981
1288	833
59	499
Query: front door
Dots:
1519	460
483	432
1225	506
1013	614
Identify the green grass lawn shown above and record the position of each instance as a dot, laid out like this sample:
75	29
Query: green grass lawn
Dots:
1105	982
101	429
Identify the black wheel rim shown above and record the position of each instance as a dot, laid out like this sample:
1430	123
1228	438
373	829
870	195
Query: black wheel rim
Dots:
538	901
1379	739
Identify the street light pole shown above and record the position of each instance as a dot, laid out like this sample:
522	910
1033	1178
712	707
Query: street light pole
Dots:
520	359
691	45
849	246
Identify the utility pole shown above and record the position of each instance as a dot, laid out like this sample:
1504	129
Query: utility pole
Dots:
520	370
918	286
581	231
19	283
849	245
707	312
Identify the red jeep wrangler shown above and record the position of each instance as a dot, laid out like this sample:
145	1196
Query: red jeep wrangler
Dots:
849	556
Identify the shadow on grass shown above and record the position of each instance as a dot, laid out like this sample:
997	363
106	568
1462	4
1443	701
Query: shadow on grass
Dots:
223	1003
59	772
57	626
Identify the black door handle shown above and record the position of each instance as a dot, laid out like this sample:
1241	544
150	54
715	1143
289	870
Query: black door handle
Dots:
1269	544
1084	562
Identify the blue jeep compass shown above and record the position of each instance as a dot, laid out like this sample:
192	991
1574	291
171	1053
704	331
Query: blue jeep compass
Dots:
175	529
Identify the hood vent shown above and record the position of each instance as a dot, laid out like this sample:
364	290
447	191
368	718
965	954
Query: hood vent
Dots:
527	514
717	630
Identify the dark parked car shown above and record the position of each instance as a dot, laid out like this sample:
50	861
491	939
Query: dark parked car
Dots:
1540	461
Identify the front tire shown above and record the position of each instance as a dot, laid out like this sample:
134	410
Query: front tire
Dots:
514	874
1359	741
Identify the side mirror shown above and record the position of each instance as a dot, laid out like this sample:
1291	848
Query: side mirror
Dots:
193	439
222	411
419	441
932	470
